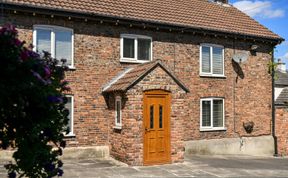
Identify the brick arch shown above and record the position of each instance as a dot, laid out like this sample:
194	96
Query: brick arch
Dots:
158	88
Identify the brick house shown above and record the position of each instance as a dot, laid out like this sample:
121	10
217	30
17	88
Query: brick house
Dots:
281	108
152	80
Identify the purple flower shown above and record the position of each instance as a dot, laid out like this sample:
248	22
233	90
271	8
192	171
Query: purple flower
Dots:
12	175
17	42
60	172
33	54
49	167
8	29
60	163
55	99
47	82
24	55
37	75
47	72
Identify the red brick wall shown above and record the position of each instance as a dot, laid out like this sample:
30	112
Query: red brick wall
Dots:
96	58
282	130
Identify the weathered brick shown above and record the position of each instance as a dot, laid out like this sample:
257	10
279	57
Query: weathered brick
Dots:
96	59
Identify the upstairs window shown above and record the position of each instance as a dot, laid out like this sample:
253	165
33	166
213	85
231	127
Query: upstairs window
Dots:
136	48
58	41
211	60
70	106
212	114
118	117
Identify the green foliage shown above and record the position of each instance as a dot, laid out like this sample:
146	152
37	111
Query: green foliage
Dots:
272	66
32	112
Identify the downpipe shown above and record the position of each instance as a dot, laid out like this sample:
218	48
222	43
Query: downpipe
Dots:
273	109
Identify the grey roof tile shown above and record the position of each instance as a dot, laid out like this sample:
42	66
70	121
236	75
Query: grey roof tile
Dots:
282	98
281	79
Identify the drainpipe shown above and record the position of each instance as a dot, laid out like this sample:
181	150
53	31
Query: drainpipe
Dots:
273	109
235	75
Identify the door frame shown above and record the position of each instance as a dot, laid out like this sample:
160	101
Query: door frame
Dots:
167	95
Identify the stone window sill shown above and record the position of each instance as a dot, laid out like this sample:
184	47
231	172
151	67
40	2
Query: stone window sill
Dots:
70	136
213	76
212	129
118	127
134	61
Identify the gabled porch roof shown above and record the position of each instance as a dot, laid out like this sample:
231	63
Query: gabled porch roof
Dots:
131	76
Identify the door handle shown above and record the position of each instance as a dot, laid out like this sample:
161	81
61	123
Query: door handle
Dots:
147	130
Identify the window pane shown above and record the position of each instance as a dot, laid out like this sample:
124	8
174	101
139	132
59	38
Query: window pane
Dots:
43	42
217	60
118	109
144	49
63	46
218	113
128	48
160	116
206	113
151	117
206	66
68	106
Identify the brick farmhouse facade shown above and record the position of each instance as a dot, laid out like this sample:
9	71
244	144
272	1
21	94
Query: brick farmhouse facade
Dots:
243	91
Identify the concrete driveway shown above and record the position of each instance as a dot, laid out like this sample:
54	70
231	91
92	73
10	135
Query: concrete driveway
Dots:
194	166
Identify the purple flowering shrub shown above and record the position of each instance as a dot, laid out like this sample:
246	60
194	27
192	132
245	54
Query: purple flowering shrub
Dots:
32	108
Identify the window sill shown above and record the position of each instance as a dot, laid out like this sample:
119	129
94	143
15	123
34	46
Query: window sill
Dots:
70	135
133	61
118	127
212	76
212	129
71	67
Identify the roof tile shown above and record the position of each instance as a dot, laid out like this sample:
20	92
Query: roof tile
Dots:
190	13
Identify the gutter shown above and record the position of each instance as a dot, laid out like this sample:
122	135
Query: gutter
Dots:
128	20
273	110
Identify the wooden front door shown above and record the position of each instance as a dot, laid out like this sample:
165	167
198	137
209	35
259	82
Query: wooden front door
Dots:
156	125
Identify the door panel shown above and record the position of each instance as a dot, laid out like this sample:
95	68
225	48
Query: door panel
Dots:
156	127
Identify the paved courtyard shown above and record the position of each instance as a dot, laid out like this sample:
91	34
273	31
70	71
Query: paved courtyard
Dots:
194	166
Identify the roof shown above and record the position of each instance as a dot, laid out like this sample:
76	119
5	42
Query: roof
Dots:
196	14
131	76
281	78
282	98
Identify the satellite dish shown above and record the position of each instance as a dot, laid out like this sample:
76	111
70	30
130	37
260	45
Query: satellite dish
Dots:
240	57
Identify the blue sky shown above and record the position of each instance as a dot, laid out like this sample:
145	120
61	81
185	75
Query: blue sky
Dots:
271	13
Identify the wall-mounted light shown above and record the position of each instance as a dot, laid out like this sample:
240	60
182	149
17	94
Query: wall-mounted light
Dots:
254	47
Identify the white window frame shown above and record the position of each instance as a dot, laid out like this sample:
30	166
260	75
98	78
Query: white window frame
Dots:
135	59
211	127
71	133
118	125
53	28
210	74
